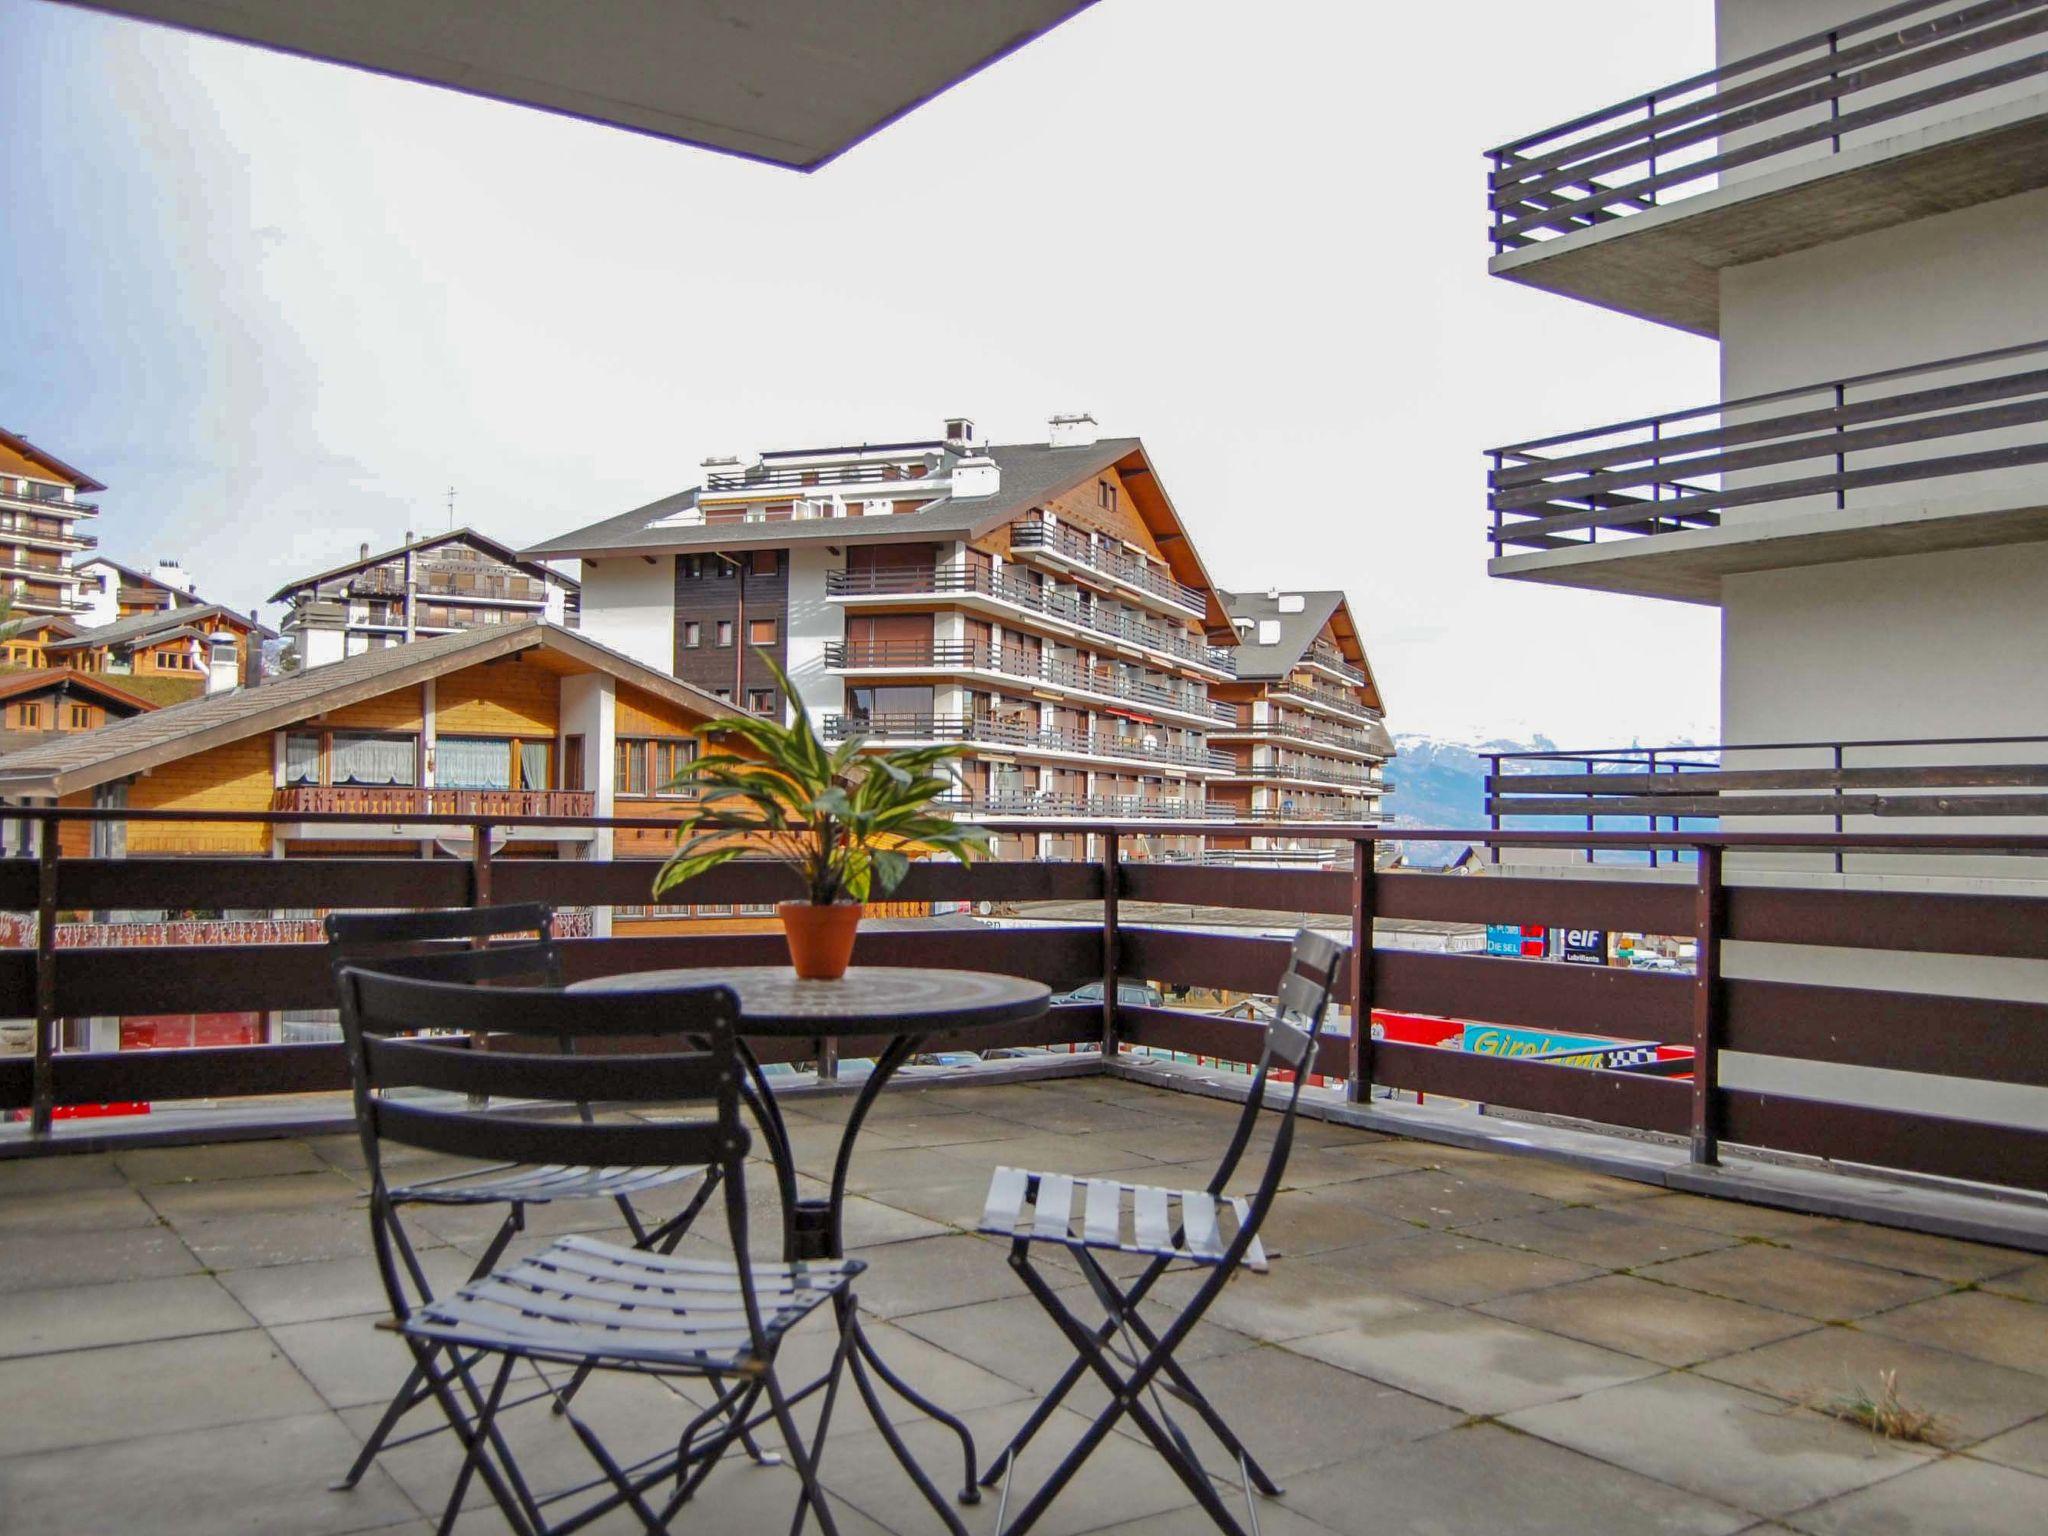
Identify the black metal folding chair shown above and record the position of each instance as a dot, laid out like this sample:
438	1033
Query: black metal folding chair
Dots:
1203	1228
458	946
581	1304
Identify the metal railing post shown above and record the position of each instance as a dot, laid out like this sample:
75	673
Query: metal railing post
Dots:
1838	802
1364	903
43	1100
1112	889
1710	920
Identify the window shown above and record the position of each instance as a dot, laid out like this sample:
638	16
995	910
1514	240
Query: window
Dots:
724	566
725	634
693	566
693	634
630	768
471	762
81	717
765	562
301	759
761	701
723	695
760	631
371	759
31	717
1105	495
670	758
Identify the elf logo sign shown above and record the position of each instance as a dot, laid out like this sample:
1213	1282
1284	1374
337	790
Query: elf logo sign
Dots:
1582	946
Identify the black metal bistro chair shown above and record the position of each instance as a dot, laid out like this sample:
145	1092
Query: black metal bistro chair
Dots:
579	1304
1206	1229
470	946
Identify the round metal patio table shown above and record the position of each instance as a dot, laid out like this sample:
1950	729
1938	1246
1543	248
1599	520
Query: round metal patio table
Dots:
905	1004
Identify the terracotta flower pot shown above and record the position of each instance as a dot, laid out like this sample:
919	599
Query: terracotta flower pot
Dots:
820	938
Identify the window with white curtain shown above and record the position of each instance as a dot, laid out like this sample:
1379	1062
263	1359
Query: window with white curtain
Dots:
302	759
472	762
533	765
373	759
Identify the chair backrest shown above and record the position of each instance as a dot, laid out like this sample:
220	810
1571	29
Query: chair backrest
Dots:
378	1012
452	945
1314	962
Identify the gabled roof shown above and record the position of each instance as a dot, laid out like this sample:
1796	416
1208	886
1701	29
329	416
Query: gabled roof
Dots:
1298	630
463	535
22	448
130	576
130	746
1032	474
14	684
153	628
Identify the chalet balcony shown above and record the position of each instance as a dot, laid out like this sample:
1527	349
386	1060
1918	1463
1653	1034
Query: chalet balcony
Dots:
1006	593
981	730
1324	659
1942	455
1616	1300
396	810
1311	773
1905	111
1089	683
1325	737
1064	547
1335	701
51	506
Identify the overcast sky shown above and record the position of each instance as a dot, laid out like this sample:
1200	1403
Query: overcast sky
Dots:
280	307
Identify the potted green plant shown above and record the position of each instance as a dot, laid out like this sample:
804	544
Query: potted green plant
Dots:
844	819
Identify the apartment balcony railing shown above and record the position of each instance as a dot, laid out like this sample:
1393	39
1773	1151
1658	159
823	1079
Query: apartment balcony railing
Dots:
1825	783
1071	547
1815	447
48	503
1815	95
1007	661
1034	804
392	802
1949	1044
765	477
1336	700
1331	661
974	581
1311	773
1243	725
984	730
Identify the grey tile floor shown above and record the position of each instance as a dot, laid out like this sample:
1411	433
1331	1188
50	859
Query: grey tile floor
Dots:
1448	1342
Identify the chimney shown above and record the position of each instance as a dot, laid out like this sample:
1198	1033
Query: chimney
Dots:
1074	430
363	551
976	475
252	663
223	671
959	431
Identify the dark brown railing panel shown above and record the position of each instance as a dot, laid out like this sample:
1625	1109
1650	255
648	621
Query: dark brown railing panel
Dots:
1631	906
1238	1040
1536	994
1984	1038
1887	1138
1268	890
1582	1093
1868	72
1917	922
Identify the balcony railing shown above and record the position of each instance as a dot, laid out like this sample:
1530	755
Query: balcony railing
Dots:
1071	547
1334	699
959	581
975	655
1814	447
1297	730
1312	773
981	729
1958	778
1955	1045
46	503
1813	96
1331	661
392	802
1037	804
768	478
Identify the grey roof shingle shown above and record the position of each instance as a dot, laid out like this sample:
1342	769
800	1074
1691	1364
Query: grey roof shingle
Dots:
145	626
1031	473
1297	630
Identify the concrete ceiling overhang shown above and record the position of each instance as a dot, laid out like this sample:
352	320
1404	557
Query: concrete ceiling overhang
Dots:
791	82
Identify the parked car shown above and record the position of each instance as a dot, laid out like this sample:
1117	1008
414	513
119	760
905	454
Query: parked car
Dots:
948	1061
1131	994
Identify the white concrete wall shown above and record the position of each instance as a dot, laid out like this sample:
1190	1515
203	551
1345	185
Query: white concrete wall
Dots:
812	622
630	605
590	710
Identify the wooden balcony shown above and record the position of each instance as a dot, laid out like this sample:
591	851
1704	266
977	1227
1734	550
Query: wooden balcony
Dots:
404	803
